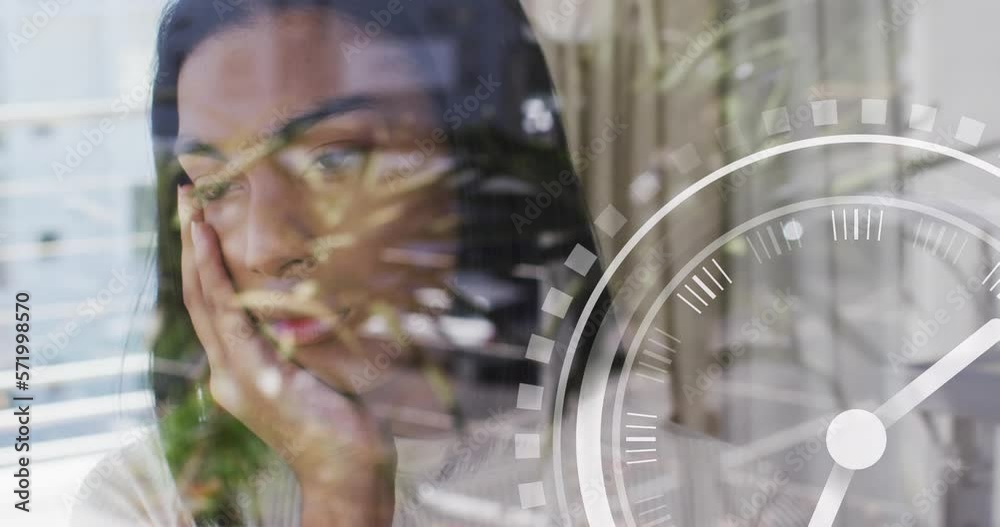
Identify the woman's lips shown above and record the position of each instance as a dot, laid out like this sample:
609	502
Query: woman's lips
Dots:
302	331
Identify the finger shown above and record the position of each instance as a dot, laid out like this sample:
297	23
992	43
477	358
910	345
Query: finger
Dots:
216	286
193	298
188	205
233	326
189	273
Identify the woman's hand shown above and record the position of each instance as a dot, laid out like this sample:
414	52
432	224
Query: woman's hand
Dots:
334	446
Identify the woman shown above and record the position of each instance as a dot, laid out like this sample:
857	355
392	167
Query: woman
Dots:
349	183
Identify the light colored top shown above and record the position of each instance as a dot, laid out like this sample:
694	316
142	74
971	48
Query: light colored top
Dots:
444	483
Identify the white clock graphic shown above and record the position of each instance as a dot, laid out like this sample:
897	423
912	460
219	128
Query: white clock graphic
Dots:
815	428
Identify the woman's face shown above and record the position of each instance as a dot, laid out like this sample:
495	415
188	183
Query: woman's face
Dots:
303	150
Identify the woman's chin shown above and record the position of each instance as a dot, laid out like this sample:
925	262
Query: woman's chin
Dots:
397	394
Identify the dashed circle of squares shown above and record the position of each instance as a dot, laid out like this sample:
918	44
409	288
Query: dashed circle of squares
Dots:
642	190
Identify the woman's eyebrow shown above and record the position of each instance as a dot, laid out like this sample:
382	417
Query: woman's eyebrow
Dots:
331	108
185	146
295	126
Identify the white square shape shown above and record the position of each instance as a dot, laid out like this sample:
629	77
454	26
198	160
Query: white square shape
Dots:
531	494
556	303
527	446
685	158
540	349
922	117
529	397
874	111
824	112
581	260
610	221
970	131
776	121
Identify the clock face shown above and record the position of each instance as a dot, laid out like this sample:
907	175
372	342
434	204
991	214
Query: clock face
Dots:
780	371
745	374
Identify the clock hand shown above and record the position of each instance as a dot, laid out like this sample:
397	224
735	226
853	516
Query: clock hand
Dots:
939	373
856	440
831	497
852	432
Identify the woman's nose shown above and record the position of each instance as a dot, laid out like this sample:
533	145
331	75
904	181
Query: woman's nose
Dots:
278	234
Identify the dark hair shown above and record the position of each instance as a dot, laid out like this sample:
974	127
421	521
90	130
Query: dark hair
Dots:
520	203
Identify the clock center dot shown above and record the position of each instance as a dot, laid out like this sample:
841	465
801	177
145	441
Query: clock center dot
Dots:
856	439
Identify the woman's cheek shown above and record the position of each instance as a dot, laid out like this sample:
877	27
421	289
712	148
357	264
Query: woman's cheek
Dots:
224	216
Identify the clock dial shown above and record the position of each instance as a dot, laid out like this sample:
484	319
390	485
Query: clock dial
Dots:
726	374
763	374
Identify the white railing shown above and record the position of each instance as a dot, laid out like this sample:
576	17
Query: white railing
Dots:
27	251
75	446
84	370
79	409
35	113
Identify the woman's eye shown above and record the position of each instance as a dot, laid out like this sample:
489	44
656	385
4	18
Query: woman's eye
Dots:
337	163
215	191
